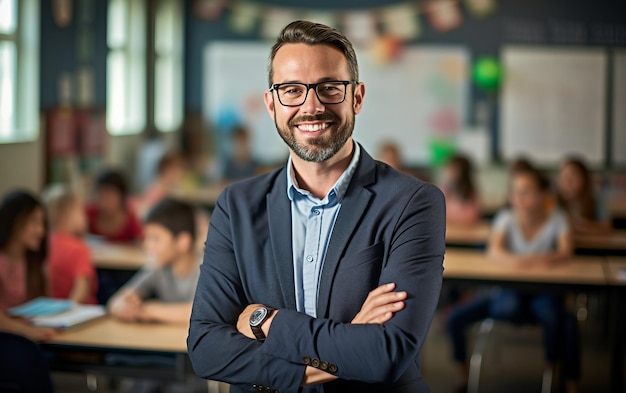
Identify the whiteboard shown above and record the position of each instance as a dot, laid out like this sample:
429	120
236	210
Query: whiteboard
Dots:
421	96
553	104
619	108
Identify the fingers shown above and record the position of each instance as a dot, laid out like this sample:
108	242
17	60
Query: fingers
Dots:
380	305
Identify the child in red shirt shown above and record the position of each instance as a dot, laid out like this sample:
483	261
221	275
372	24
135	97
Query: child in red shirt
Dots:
70	271
110	215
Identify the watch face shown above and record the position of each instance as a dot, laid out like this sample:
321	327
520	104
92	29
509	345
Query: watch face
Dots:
257	316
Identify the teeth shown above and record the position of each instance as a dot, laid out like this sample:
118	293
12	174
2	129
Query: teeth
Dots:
312	127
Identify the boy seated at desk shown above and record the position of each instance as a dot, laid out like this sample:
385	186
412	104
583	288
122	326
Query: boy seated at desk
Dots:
530	234
163	292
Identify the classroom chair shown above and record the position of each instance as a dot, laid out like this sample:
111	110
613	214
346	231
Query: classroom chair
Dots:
484	332
24	367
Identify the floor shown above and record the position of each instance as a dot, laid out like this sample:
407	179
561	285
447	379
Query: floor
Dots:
512	362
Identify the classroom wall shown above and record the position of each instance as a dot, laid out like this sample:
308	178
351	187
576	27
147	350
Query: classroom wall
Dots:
20	166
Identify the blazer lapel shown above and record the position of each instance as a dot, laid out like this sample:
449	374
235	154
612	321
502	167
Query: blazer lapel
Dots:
352	209
279	219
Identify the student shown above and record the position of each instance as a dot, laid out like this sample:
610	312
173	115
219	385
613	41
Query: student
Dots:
23	248
170	174
529	234
587	213
163	292
240	164
330	267
462	202
110	215
71	274
389	153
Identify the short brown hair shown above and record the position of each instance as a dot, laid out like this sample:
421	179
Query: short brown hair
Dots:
305	32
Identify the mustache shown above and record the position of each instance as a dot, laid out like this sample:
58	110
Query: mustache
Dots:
323	117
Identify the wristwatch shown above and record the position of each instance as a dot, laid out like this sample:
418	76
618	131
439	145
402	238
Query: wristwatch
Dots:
257	318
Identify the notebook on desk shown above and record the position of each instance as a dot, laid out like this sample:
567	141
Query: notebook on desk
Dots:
57	313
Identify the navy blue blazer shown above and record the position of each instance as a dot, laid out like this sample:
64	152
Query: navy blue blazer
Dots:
390	228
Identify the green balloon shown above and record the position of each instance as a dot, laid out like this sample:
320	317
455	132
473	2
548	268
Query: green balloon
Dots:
487	73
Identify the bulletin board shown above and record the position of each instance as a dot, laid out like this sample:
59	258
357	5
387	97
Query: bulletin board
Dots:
420	97
553	103
619	108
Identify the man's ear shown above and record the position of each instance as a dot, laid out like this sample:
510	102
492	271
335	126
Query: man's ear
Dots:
359	94
268	98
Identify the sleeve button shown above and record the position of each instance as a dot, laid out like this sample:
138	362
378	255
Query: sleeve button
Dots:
315	363
332	368
306	360
323	366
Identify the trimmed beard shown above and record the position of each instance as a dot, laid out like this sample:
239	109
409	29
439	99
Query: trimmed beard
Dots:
317	149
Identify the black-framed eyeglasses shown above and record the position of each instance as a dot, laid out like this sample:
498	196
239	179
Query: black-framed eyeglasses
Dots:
295	93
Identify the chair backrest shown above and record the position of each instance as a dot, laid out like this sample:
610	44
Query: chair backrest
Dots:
23	367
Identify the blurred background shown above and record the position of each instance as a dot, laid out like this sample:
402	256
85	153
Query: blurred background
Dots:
86	84
170	94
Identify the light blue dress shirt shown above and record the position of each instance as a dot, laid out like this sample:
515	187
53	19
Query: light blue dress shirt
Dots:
312	222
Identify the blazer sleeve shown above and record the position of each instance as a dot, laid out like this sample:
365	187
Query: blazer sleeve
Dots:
216	349
374	353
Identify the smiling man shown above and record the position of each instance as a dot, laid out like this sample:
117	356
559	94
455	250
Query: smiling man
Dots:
322	276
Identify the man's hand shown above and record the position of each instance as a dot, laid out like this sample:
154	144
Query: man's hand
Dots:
380	305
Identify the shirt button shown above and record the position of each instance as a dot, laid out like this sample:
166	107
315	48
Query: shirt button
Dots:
309	258
316	212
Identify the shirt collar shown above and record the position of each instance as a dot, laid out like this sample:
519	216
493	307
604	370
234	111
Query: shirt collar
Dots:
339	188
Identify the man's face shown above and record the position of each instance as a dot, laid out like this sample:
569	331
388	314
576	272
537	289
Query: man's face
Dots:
314	131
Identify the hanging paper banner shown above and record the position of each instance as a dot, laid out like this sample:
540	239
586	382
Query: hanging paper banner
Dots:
360	27
62	11
325	18
401	21
481	8
208	9
243	16
274	20
386	49
443	15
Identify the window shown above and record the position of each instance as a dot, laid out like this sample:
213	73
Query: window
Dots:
168	67
19	69
126	62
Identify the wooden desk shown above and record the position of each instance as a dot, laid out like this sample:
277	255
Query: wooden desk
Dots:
615	270
615	241
109	347
117	256
475	265
110	333
468	235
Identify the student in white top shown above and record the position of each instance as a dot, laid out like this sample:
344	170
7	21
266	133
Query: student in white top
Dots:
529	234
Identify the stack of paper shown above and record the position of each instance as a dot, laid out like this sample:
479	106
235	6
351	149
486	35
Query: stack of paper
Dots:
56	313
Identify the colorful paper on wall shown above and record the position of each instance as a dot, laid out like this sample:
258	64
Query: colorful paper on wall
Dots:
243	17
360	27
443	15
401	21
274	19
